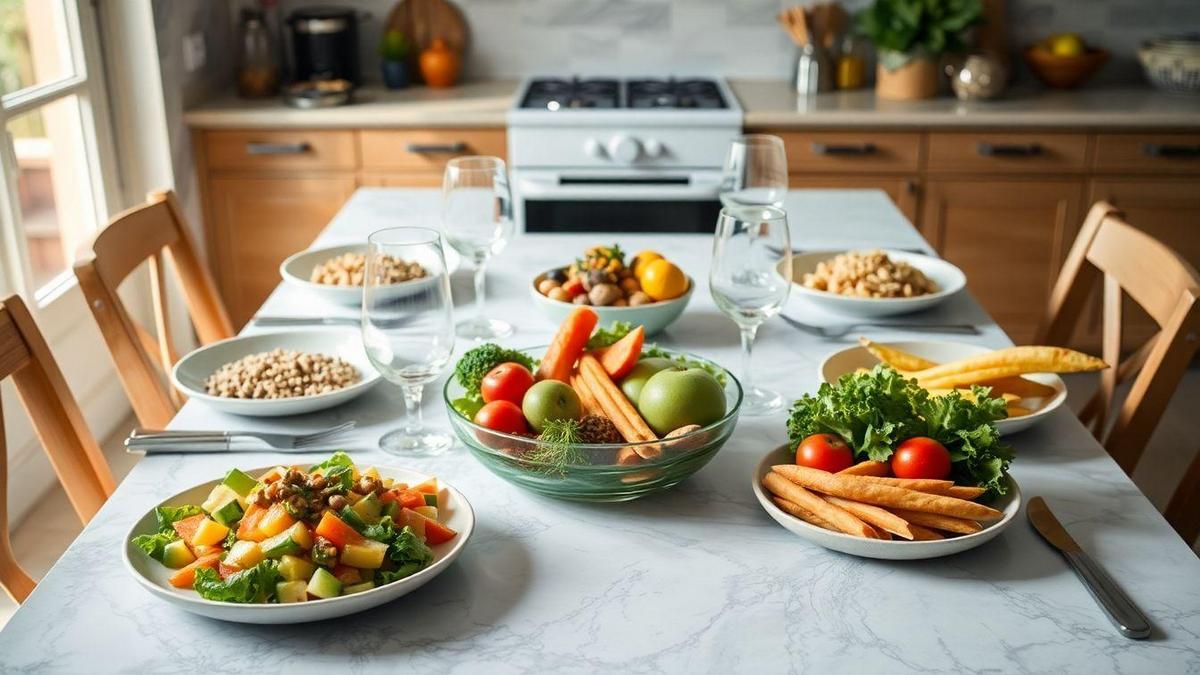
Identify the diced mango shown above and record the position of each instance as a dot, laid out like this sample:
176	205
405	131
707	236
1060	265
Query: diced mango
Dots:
177	554
209	533
367	555
293	568
276	520
291	591
244	554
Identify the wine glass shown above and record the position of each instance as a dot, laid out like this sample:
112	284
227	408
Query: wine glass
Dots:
408	328
756	172
750	278
477	221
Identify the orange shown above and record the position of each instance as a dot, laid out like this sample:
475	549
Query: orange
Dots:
662	280
642	260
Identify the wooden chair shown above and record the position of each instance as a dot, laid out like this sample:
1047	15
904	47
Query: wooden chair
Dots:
143	361
59	425
1129	262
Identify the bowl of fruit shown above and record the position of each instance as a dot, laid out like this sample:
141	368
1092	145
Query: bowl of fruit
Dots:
1064	60
650	291
598	415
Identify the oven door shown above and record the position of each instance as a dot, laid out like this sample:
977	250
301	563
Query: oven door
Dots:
655	201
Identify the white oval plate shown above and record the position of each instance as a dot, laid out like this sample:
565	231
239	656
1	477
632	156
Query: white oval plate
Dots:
949	280
851	359
297	270
153	575
1010	504
191	371
653	317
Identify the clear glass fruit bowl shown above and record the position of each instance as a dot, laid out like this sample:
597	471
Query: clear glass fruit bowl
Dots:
591	472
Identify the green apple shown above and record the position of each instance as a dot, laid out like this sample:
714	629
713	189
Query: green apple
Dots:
632	385
674	398
550	400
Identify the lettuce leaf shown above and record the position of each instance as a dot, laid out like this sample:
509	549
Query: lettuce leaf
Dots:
608	335
167	515
405	550
164	517
153	544
338	458
256	584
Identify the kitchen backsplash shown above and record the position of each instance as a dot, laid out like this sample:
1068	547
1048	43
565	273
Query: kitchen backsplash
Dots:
735	38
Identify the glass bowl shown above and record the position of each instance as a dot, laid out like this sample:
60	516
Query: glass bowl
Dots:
593	472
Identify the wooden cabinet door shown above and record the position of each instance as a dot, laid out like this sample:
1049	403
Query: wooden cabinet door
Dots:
402	180
903	190
1009	237
256	222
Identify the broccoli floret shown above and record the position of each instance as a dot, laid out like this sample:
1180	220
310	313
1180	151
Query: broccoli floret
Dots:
478	361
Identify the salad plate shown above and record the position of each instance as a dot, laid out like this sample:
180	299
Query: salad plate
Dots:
948	279
296	271
453	512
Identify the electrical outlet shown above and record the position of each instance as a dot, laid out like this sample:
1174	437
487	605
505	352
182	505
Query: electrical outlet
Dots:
194	54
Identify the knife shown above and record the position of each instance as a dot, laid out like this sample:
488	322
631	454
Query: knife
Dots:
1125	615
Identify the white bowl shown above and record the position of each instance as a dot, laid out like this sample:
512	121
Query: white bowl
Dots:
949	280
653	317
851	359
153	575
297	270
894	549
191	371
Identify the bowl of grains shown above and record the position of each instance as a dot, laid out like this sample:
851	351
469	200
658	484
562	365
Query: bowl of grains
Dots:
335	273
875	282
274	374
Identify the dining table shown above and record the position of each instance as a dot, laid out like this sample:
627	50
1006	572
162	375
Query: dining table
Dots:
694	579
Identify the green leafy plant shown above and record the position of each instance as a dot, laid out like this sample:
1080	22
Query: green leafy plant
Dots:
255	584
904	29
475	364
558	446
394	46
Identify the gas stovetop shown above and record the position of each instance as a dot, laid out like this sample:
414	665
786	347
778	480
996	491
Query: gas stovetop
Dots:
557	94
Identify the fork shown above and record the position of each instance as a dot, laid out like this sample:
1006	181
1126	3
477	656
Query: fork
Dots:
174	440
305	321
831	332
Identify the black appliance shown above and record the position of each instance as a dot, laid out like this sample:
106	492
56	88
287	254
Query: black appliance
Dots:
325	44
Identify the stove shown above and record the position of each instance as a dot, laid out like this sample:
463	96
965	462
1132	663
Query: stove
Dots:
610	154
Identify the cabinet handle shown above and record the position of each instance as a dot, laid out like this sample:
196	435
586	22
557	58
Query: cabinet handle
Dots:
1164	150
437	148
277	148
859	149
1008	149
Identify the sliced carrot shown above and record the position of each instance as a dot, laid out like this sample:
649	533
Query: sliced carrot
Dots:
248	527
620	357
437	533
186	576
186	527
568	344
337	531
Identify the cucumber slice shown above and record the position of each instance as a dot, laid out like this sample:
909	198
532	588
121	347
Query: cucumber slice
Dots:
323	584
291	591
352	518
280	545
430	500
358	588
368	509
177	554
240	482
229	513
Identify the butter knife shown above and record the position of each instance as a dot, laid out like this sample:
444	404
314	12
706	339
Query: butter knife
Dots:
1125	615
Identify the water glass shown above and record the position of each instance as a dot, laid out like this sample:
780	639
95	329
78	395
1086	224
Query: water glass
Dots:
408	328
756	172
750	278
477	222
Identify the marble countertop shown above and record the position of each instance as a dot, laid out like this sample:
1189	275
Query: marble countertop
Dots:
767	103
695	579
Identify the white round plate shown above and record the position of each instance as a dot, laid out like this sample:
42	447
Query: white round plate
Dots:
653	317
949	280
153	575
1010	504
297	270
851	359
191	371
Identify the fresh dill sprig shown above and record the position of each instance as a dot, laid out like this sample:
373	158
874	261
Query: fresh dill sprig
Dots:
558	446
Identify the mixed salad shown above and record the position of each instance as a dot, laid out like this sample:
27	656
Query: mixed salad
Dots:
293	535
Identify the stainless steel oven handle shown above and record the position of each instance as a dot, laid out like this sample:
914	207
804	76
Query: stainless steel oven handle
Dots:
544	189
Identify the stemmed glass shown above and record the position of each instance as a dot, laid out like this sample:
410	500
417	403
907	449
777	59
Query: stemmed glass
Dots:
750	278
756	172
408	328
477	221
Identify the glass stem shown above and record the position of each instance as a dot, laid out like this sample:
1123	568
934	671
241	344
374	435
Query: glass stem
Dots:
412	408
748	333
480	283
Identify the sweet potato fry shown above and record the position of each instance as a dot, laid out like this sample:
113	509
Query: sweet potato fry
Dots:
919	484
1022	387
924	534
866	489
840	518
898	359
868	467
803	514
881	519
939	522
1007	363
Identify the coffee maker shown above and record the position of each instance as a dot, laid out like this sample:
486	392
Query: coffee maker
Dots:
325	44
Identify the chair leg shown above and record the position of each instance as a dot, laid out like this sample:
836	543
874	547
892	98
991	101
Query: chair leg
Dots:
1183	512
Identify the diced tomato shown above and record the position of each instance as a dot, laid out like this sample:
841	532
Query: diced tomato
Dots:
431	530
186	576
275	520
248	527
347	575
226	570
429	487
409	499
186	527
337	531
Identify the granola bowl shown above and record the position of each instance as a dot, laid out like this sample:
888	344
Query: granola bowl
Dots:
297	271
947	279
593	472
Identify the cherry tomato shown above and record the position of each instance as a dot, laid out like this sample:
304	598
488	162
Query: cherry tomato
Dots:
825	452
502	416
573	287
921	457
506	382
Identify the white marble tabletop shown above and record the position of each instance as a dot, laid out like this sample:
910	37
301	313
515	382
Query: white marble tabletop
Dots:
697	579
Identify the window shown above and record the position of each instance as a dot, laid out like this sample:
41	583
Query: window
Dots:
55	148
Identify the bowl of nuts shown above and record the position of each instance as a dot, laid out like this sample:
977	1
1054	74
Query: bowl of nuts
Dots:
874	283
276	374
646	290
335	273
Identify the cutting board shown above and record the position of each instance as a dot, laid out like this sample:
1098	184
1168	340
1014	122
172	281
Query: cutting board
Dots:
421	21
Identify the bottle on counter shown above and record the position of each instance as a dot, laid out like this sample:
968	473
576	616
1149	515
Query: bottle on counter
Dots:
257	68
851	70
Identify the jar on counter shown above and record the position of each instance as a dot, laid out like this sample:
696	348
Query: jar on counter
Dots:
257	68
851	69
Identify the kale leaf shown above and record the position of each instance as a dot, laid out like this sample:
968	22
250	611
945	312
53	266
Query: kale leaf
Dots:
255	584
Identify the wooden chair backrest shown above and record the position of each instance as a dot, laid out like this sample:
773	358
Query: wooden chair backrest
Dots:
1127	261
131	238
59	426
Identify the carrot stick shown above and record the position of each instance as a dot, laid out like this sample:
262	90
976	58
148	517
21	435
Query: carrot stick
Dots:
590	407
867	467
865	489
835	515
607	393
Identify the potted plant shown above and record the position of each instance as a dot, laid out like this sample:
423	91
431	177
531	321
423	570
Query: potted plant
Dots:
394	50
910	36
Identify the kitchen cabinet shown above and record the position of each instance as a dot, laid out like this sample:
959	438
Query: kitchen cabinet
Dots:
903	190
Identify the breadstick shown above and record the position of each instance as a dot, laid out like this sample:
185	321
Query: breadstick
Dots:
590	407
881	519
938	522
864	489
896	358
603	388
868	467
967	492
803	513
1006	363
838	517
918	484
924	533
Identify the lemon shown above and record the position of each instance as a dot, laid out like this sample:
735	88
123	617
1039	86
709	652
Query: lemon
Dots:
1066	44
662	280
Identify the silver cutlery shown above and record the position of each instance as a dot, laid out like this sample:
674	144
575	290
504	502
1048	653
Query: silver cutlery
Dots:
802	251
172	440
306	321
1125	615
830	332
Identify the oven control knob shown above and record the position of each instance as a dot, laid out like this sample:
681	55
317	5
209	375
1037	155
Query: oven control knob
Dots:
593	148
624	149
652	147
